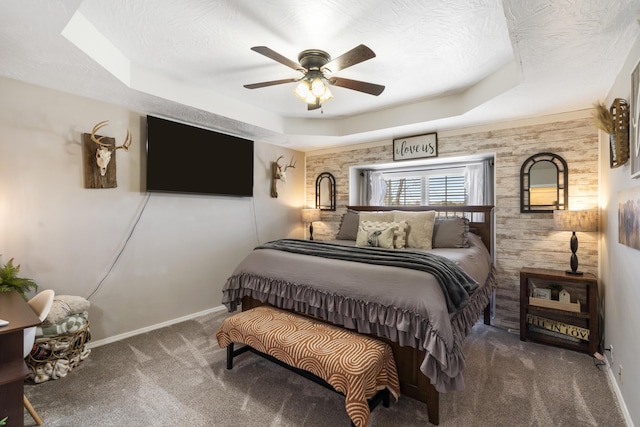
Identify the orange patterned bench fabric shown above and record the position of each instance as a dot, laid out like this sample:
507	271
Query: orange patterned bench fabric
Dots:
353	364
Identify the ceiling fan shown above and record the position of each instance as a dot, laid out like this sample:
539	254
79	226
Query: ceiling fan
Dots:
318	68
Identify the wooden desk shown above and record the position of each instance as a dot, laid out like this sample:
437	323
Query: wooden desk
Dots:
13	370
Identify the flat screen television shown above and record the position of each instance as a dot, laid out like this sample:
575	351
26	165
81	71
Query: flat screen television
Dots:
187	159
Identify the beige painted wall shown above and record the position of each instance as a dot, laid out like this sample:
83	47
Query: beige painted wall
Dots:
67	237
522	240
620	265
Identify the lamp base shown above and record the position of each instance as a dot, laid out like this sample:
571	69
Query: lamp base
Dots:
574	273
573	262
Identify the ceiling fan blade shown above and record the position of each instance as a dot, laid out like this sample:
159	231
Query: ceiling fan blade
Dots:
355	56
271	54
270	83
370	88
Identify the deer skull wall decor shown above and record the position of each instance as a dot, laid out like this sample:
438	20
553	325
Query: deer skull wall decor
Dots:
104	151
279	172
97	160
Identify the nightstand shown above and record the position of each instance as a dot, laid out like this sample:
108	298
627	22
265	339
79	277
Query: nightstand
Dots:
572	323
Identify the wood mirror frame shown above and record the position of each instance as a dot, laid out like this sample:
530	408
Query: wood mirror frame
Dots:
326	192
544	184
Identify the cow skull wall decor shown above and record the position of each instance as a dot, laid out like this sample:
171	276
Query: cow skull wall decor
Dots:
279	172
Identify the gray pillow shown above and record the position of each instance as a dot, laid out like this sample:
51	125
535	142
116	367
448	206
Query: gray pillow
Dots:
451	233
349	226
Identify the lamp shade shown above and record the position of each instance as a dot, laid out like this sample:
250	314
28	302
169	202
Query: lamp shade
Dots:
575	220
310	215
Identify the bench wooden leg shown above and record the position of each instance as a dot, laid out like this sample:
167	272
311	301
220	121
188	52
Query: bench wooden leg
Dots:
386	401
231	353
230	356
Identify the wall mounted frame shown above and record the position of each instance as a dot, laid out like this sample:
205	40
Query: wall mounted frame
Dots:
635	122
619	139
544	184
326	192
92	177
415	147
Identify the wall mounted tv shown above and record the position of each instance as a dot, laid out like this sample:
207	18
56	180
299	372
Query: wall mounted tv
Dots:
188	159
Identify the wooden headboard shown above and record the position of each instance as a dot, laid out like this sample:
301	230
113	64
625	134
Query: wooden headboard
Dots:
478	224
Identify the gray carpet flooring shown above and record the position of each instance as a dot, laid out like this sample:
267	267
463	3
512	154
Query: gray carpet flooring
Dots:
176	376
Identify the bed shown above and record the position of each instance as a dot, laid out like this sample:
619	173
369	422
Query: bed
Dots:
352	289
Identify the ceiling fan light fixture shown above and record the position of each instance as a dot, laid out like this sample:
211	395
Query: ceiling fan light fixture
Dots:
318	87
314	92
327	95
303	90
310	99
316	65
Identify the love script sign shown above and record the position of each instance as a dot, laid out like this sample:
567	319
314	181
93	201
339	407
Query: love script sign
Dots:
415	147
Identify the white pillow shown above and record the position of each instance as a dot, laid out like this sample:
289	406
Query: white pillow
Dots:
376	234
419	227
400	232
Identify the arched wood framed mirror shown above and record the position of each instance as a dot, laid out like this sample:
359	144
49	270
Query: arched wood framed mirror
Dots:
326	192
544	184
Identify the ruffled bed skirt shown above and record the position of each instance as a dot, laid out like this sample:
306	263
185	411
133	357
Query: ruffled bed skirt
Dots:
443	363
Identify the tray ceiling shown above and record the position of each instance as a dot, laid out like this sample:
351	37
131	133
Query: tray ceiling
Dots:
444	64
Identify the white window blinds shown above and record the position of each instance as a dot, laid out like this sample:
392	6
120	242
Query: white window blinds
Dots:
434	187
446	190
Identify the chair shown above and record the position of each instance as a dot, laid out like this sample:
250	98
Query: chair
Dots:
41	305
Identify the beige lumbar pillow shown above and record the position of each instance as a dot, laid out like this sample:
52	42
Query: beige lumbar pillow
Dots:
419	227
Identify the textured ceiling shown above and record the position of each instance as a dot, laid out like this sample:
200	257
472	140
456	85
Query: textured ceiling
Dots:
445	64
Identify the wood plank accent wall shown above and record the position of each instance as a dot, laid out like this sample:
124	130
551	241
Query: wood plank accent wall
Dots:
522	240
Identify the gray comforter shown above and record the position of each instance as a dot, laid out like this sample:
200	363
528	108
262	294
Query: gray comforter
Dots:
404	305
457	286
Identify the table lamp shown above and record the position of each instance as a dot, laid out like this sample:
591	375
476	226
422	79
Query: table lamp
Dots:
309	216
575	221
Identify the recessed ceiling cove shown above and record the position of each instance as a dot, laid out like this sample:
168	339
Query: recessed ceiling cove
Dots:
443	64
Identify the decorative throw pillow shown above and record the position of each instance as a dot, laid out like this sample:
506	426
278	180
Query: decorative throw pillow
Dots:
399	233
349	226
419	227
451	233
400	237
376	236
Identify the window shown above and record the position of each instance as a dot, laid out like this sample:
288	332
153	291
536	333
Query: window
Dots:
426	187
465	181
446	190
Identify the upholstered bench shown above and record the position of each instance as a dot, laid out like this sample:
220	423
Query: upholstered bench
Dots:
359	367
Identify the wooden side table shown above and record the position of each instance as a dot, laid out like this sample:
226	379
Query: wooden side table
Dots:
13	370
572	324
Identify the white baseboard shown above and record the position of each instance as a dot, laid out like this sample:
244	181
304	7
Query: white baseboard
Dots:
618	393
94	344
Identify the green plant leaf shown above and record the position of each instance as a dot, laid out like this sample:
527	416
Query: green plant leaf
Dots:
9	280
